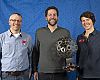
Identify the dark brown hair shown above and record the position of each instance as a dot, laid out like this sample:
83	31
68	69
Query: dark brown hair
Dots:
88	14
51	7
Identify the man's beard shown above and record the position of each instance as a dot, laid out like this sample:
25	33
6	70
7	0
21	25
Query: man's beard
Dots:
52	22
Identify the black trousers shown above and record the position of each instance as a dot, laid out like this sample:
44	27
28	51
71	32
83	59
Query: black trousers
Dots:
52	76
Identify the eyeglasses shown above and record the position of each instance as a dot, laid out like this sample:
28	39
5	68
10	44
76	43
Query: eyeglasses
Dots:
14	20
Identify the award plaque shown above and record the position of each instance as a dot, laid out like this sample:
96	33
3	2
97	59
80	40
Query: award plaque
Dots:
66	47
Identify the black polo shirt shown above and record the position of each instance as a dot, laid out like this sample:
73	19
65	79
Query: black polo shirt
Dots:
88	55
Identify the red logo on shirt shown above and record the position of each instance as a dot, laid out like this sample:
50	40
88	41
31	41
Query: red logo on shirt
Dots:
82	40
24	42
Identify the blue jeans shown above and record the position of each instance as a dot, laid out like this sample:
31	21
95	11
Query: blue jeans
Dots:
24	76
52	76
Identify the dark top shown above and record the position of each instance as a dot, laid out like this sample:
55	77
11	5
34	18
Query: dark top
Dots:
88	55
45	52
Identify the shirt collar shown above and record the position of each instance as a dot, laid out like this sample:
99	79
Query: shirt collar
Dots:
11	34
93	33
56	28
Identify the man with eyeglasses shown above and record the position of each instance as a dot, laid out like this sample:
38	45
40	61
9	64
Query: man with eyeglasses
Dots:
15	51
